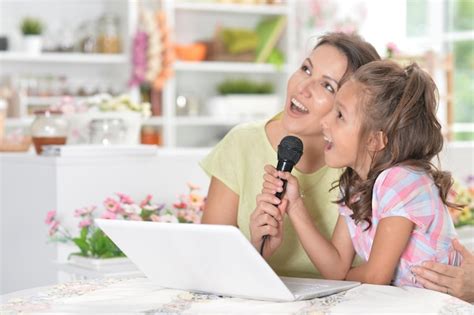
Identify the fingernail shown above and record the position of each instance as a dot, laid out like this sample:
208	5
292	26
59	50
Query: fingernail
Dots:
415	269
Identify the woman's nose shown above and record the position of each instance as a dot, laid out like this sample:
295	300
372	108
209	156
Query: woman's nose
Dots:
304	87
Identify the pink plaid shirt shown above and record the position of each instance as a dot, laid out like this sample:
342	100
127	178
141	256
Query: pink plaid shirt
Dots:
404	192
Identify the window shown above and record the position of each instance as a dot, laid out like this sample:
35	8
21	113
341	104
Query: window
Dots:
449	25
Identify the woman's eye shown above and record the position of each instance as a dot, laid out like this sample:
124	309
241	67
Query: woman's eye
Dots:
329	87
306	69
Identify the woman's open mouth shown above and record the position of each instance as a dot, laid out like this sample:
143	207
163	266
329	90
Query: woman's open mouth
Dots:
297	106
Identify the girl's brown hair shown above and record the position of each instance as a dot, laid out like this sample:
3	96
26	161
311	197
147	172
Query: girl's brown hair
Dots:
357	51
402	103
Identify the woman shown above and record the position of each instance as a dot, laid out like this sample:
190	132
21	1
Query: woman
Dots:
236	163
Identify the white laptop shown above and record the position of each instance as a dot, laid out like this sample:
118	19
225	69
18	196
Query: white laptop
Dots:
215	259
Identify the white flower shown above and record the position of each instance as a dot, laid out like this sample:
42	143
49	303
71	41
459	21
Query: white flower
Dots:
132	209
168	218
151	207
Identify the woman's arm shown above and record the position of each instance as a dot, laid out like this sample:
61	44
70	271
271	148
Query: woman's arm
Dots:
391	239
222	204
457	281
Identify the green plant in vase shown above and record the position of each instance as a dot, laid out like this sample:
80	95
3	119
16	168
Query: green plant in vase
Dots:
32	28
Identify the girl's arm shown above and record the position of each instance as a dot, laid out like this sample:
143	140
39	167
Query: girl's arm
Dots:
221	205
391	239
332	258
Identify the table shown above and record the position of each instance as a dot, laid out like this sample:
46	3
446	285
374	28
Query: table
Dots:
131	295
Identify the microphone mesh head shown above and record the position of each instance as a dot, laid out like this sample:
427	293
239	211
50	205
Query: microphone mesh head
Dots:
290	149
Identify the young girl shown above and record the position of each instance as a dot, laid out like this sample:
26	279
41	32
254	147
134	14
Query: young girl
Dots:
392	205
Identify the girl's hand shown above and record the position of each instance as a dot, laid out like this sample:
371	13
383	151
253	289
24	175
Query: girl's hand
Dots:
273	183
267	219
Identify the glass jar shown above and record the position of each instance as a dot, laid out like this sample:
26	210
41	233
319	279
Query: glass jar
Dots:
150	135
108	40
107	131
48	128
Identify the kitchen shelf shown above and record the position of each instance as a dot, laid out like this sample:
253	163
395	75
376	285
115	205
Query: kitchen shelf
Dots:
18	122
64	58
50	100
208	121
262	9
153	121
217	66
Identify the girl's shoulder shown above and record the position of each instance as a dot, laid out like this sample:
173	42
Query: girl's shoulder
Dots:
400	176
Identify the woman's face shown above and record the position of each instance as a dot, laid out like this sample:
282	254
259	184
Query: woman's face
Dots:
311	91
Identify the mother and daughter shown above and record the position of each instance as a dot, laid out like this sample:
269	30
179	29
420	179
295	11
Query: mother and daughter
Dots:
378	122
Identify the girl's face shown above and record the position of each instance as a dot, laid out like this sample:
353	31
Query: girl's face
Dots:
311	91
341	127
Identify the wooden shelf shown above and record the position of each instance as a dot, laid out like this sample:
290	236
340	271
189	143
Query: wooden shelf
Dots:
64	58
208	121
261	9
217	66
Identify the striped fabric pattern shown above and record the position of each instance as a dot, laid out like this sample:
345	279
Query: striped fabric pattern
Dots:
404	192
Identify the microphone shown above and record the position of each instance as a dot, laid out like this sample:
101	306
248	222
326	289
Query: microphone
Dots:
290	151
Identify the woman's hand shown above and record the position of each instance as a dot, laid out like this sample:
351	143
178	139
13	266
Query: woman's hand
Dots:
457	281
267	219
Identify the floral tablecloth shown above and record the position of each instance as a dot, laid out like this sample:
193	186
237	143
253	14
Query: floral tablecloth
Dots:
139	296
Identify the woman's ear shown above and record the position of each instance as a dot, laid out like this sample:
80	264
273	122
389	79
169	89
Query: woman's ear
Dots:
377	141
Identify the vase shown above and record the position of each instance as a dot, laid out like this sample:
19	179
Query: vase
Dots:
104	264
33	44
80	123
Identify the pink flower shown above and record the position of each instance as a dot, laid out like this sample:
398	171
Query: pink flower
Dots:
111	205
54	227
85	223
146	201
126	199
392	47
109	215
180	205
50	216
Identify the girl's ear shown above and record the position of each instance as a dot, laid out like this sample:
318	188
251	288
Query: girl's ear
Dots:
377	141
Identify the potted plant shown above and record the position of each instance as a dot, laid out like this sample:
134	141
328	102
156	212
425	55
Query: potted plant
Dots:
32	28
244	99
95	249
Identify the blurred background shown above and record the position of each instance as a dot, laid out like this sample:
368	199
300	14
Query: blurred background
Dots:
203	66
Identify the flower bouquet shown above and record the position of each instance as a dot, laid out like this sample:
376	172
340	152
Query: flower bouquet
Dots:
92	242
464	196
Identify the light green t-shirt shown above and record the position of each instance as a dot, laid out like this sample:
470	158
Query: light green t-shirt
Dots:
238	161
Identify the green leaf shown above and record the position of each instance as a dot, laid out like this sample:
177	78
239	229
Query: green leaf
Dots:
83	245
84	232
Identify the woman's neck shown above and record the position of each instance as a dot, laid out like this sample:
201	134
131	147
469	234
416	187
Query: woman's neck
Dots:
313	147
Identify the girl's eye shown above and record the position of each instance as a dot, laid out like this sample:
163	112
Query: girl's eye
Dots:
329	87
306	69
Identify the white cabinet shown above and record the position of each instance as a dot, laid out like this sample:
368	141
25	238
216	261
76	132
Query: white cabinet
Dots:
32	185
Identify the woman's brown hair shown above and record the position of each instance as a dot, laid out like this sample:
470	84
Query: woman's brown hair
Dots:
357	51
402	103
